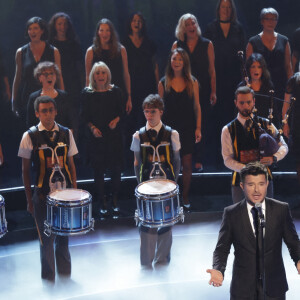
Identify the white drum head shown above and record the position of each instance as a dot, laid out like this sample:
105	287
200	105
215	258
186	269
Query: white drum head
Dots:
156	187
69	195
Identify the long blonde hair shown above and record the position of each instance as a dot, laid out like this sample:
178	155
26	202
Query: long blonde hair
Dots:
186	71
180	28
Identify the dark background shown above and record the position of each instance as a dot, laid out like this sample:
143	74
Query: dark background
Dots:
161	19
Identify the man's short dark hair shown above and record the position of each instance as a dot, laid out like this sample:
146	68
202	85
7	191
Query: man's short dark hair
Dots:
253	168
243	90
153	101
43	99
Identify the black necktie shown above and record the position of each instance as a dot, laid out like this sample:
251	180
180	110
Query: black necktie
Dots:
258	242
152	134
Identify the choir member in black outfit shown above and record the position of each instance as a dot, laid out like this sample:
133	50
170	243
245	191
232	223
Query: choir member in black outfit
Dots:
101	112
292	128
48	74
296	50
62	35
180	91
202	59
106	48
142	65
228	37
260	82
64	38
27	58
275	49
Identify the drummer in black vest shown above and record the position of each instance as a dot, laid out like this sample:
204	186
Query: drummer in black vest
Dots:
155	242
33	149
240	142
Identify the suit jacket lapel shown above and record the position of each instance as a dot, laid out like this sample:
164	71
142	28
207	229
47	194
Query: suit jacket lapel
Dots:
269	221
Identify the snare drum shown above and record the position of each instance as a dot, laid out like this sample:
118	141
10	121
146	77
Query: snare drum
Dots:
3	223
158	203
69	212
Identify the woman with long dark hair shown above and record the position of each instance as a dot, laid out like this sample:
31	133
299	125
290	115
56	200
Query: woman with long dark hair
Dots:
143	69
106	48
260	82
62	35
180	92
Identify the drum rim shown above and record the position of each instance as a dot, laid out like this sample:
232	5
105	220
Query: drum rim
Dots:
174	191
69	203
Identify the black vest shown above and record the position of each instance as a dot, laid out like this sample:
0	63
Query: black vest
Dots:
42	158
165	153
245	146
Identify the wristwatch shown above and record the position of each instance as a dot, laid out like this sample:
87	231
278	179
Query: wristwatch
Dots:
274	159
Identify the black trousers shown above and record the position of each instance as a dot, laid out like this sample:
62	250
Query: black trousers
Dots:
49	256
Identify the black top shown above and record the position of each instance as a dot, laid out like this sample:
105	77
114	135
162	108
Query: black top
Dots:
64	116
293	87
199	60
29	84
100	108
275	60
115	65
227	65
71	58
180	115
141	68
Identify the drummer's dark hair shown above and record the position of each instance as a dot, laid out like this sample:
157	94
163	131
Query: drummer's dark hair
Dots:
153	101
43	99
243	90
253	168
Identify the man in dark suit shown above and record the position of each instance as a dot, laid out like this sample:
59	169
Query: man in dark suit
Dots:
238	228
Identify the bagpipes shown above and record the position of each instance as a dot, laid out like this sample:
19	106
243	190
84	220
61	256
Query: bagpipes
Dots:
268	143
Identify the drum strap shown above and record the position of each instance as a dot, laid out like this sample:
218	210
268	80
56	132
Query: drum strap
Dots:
38	155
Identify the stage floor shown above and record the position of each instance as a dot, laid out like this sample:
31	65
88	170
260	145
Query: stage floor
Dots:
105	264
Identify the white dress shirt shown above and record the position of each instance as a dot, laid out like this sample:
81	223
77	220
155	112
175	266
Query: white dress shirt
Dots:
227	147
26	146
135	145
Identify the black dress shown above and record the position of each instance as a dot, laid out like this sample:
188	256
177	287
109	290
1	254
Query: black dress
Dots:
71	59
275	60
200	65
28	83
293	87
64	109
179	114
99	108
142	75
227	65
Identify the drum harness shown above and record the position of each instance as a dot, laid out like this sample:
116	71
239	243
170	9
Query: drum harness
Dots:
57	180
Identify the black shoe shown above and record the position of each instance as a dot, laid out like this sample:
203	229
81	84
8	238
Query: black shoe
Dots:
104	213
187	207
